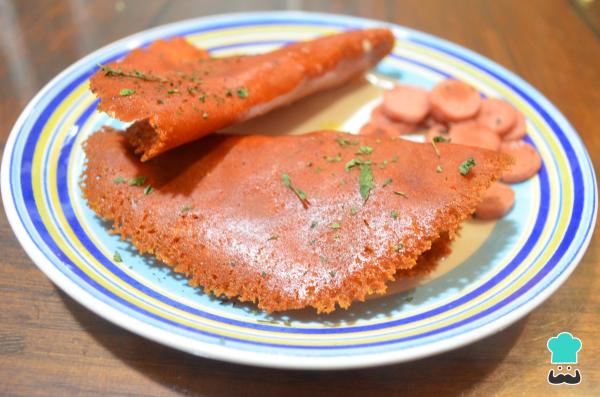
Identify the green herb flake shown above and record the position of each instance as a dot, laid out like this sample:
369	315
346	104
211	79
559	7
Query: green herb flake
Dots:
365	181
332	273
344	142
394	158
242	92
398	247
322	259
119	180
137	181
387	182
353	211
173	91
438	139
263	274
466	166
383	165
394	214
301	195
355	162
313	224
274	237
335	226
333	159
148	189
192	90
439	169
365	150
126	92
202	97
117	257
401	194
186	208
318	170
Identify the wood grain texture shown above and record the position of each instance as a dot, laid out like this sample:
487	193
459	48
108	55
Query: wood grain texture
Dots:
50	345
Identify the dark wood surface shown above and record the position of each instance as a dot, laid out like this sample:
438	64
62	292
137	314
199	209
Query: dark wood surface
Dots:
52	346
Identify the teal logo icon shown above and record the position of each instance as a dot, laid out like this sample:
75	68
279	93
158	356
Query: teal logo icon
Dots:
564	348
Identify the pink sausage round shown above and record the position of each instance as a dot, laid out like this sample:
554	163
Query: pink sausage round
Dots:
453	100
471	133
497	115
527	161
406	103
497	202
518	131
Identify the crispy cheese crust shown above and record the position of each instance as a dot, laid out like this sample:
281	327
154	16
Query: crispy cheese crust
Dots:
222	213
182	98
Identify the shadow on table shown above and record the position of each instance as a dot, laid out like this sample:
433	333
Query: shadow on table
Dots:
449	374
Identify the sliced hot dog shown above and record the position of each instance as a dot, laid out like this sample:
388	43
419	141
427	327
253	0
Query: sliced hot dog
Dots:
388	126
471	133
497	115
453	100
497	202
406	103
518	131
527	161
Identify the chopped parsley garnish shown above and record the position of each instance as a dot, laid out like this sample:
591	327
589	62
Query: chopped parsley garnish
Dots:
332	273
353	211
365	150
401	194
119	179
383	165
186	208
394	214
394	158
202	97
117	257
228	92
148	189
344	142
387	182
313	224
263	274
322	259
108	71
333	159
173	91
335	226
398	247
438	139
126	92
318	170
242	92
192	90
274	237
466	166
354	163
301	195
365	181
137	181
439	169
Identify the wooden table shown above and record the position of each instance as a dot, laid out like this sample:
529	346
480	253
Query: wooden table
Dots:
51	346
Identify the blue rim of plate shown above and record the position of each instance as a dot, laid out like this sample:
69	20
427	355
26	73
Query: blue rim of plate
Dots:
38	194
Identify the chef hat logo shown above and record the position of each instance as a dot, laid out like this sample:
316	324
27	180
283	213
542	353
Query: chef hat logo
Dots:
564	348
